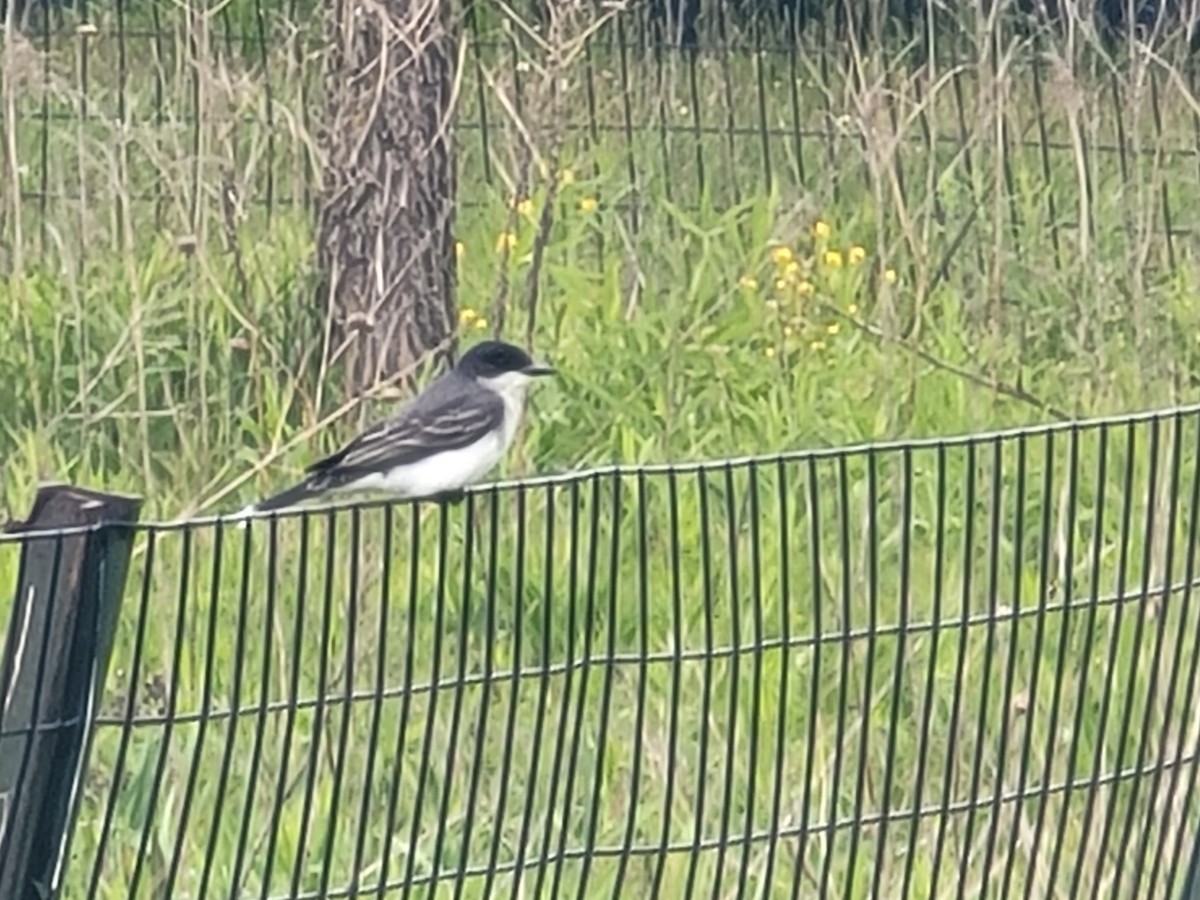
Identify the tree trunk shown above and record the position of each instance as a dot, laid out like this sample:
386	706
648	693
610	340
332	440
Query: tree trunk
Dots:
386	209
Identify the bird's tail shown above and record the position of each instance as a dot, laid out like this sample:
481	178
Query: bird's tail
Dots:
305	490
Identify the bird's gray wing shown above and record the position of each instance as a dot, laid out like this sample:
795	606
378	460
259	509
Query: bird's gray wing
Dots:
453	413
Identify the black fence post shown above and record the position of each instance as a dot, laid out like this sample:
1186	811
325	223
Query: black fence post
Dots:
60	634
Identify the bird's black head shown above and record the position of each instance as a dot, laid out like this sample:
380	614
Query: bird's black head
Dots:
492	359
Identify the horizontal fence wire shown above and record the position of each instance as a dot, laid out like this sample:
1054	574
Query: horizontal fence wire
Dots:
229	100
934	669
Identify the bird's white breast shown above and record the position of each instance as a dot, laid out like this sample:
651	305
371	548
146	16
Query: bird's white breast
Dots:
511	387
454	469
445	471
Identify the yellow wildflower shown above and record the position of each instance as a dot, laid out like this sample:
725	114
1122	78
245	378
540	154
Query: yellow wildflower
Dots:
889	276
817	346
769	353
782	256
524	207
791	270
821	229
588	205
833	328
466	315
780	284
506	240
857	254
480	323
788	330
566	177
805	288
833	259
748	283
852	309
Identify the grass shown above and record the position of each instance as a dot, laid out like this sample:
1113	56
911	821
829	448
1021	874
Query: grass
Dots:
682	657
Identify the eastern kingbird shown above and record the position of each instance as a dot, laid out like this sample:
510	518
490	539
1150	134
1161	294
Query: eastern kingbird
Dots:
443	440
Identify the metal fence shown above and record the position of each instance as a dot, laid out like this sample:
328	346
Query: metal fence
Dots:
168	110
941	668
953	667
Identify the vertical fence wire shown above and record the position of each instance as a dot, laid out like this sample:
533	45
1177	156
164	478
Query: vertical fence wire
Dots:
898	670
753	99
907	670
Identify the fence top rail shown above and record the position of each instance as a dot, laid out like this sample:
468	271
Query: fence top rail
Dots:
581	476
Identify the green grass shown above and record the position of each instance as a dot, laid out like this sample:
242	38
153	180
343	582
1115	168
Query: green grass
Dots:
135	364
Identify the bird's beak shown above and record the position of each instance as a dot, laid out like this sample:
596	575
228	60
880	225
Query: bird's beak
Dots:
538	369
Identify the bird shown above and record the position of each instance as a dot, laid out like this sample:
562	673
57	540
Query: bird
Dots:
443	440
